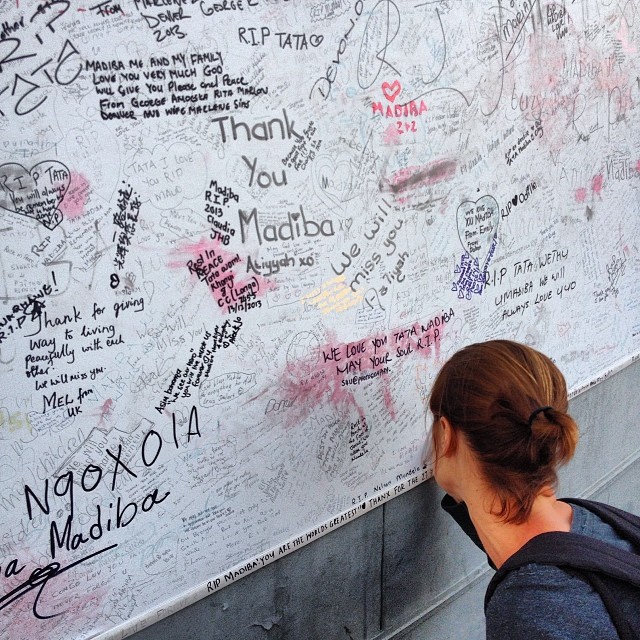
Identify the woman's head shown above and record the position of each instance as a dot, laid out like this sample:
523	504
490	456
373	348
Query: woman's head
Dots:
509	403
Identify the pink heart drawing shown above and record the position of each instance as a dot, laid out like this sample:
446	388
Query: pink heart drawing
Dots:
35	193
391	91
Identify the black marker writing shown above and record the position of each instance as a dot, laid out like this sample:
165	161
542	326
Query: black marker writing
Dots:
38	580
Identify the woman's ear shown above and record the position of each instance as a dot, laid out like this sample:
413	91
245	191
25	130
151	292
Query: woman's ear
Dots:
448	438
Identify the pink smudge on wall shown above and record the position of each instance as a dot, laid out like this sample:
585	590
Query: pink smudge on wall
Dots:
22	623
64	600
210	263
310	377
388	401
546	64
391	135
331	373
541	89
187	251
17	568
75	199
105	411
596	184
623	36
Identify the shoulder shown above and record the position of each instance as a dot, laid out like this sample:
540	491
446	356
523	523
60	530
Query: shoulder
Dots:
547	603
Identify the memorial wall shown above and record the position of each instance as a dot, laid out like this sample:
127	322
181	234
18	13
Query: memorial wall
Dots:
238	239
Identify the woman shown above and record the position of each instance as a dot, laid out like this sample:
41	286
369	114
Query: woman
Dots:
500	432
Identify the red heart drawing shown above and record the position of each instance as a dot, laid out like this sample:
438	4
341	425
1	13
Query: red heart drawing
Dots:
391	91
35	193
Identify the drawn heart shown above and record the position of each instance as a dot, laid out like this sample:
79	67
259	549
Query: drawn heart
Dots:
150	289
315	40
295	216
332	180
477	227
391	91
514	200
35	193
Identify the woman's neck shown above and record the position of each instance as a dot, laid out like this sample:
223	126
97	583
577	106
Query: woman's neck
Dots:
501	540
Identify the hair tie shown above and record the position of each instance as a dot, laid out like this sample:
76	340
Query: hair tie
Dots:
534	413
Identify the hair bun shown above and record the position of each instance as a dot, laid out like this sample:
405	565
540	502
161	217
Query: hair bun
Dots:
537	411
555	431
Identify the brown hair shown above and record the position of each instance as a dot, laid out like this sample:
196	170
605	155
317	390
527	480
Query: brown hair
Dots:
493	393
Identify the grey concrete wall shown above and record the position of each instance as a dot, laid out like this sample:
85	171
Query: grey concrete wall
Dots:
405	571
